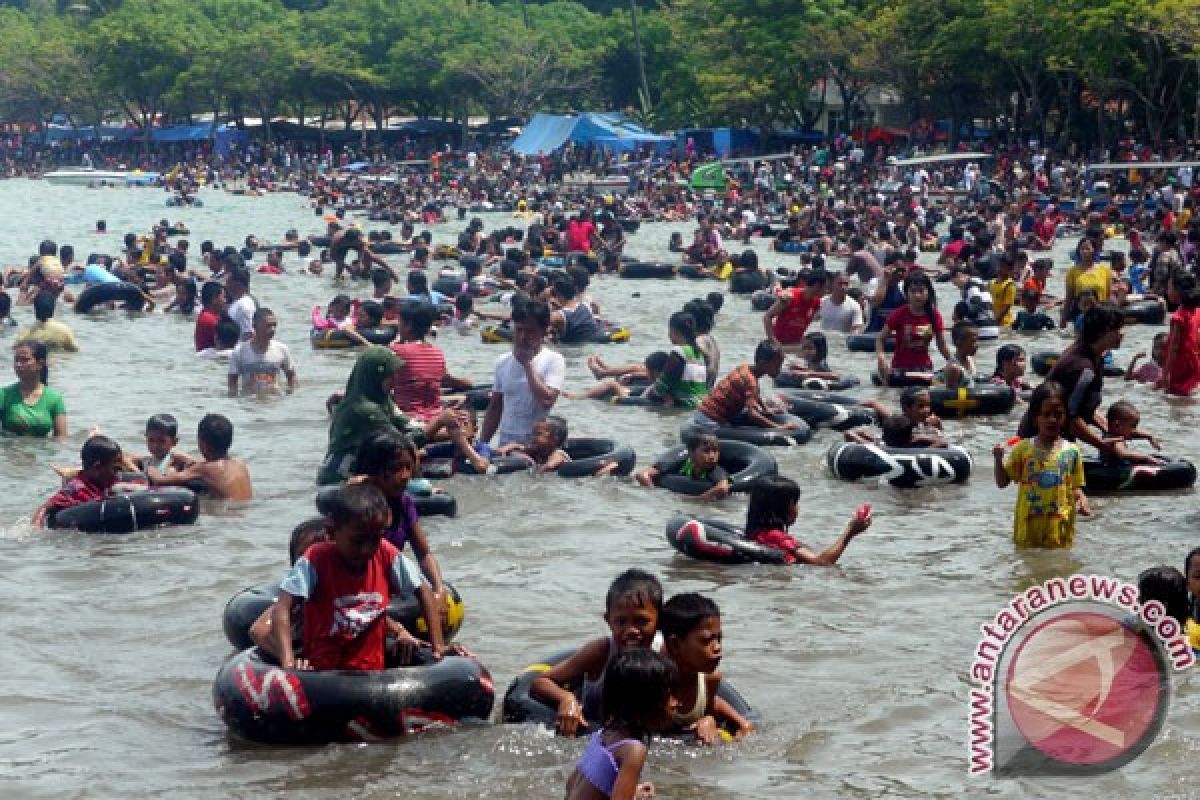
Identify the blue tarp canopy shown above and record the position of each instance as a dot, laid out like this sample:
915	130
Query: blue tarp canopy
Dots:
545	133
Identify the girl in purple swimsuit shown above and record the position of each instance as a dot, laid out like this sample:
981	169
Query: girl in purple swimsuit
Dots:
637	702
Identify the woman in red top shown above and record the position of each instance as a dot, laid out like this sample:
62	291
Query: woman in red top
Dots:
788	319
1181	367
914	325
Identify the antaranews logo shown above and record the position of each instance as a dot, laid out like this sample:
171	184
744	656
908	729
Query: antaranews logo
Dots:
1072	677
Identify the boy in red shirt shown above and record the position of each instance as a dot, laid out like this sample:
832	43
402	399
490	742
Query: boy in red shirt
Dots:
346	585
102	462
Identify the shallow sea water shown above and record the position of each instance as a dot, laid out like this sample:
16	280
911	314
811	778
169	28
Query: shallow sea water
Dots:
860	671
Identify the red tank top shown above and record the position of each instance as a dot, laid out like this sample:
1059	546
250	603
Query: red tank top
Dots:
344	618
791	325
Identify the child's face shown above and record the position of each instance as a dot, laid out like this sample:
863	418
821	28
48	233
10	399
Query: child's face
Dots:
1122	425
394	481
808	350
968	343
700	649
543	439
632	624
160	444
356	543
706	455
917	296
1004	270
921	408
1051	417
105	473
1016	366
360	318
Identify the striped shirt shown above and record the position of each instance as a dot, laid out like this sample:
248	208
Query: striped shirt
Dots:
417	386
732	395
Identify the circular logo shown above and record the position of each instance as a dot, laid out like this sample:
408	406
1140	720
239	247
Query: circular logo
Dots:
1088	691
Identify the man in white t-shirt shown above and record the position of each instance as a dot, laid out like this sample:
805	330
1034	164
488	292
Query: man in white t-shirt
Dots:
241	305
527	381
840	312
257	362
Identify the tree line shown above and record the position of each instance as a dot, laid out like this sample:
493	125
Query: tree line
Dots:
1058	71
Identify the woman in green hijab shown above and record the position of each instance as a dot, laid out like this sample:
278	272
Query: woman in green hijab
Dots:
366	407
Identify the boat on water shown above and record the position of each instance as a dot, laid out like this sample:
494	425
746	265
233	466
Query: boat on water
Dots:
87	176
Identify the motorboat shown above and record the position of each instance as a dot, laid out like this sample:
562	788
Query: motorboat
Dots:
88	176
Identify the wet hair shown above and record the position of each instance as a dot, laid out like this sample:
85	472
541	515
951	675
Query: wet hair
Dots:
699	439
684	324
748	260
534	311
216	431
960	329
228	333
313	526
417	283
5	304
637	687
703	313
1122	409
380	278
40	354
636	586
419	317
771	502
558	428
910	395
47	248
563	286
1099	320
767	351
185	292
820	345
358	503
464	303
656	361
209	292
43	306
1007	353
1168	586
1046	391
897	430
164	424
66	254
373	311
1185	284
715	301
97	450
1187	561
237	273
580	277
379	453
261	313
339	301
682	613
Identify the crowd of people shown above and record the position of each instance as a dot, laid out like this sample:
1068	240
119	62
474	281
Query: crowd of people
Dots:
401	406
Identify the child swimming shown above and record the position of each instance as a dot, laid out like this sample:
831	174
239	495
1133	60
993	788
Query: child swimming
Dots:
704	453
222	475
346	585
1048	472
774	507
102	461
162	435
915	426
637	702
631	610
1010	368
1123	419
691	627
545	444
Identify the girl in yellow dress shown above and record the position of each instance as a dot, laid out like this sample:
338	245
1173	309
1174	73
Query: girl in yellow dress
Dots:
1048	472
